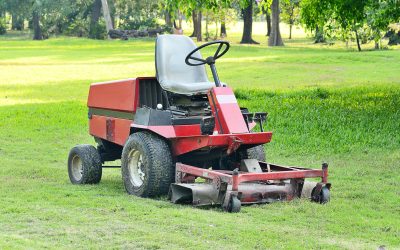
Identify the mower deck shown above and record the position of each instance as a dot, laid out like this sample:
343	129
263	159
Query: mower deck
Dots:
272	183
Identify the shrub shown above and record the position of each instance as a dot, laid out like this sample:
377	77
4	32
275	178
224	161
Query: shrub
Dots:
98	31
139	24
3	26
78	28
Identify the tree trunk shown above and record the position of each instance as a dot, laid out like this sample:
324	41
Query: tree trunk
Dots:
196	16
111	7
268	17
17	23
275	38
207	34
168	20
94	19
180	20
199	35
291	21
178	27
377	45
358	41
248	24
194	20
223	29
216	30
319	35
107	16
37	30
13	22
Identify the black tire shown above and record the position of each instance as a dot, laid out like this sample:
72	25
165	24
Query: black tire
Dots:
234	205
84	165
323	197
256	152
153	172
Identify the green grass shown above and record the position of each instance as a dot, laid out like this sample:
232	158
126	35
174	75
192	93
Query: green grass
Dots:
324	103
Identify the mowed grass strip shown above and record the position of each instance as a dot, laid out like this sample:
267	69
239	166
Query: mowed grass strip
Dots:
324	105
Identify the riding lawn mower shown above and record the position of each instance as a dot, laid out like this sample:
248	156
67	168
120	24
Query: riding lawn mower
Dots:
181	135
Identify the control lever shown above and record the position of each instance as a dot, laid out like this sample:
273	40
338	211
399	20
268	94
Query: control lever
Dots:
260	117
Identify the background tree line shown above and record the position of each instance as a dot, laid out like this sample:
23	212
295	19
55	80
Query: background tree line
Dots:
346	20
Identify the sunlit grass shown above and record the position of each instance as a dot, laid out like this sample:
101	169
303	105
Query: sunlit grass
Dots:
325	103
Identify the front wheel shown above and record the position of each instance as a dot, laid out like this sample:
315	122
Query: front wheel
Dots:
234	205
323	197
146	165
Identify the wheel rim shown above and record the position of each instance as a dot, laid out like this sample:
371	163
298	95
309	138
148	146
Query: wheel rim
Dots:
135	165
77	168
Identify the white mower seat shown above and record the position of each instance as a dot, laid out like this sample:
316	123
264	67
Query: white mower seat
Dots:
173	73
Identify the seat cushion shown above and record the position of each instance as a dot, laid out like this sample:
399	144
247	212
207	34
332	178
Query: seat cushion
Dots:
173	73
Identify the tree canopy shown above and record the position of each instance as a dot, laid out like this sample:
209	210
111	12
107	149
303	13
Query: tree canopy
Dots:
347	20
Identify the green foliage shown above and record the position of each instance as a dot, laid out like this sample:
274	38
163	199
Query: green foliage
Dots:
380	14
3	26
394	34
315	13
98	31
78	28
342	18
186	7
139	24
290	11
137	13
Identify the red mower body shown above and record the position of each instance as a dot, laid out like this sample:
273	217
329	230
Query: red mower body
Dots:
112	108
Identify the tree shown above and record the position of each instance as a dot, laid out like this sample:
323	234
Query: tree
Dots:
17	22
197	18
290	13
18	9
315	14
223	33
189	8
267	12
94	19
350	16
347	19
275	38
247	13
107	16
48	15
379	15
37	29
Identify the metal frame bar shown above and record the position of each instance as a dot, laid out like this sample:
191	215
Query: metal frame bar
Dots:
235	177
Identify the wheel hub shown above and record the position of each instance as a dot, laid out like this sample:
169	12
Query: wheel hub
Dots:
135	163
77	168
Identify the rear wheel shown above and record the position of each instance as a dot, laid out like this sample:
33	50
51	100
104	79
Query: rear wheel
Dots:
84	165
146	165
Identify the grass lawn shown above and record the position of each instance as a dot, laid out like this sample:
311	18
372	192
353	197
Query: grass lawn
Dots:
326	103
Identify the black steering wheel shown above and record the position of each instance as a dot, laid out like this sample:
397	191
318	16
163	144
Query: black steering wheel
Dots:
211	59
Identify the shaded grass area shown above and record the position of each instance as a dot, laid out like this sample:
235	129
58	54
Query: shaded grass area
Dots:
349	118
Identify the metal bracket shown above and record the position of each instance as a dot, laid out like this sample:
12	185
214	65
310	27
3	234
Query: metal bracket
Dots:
234	144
